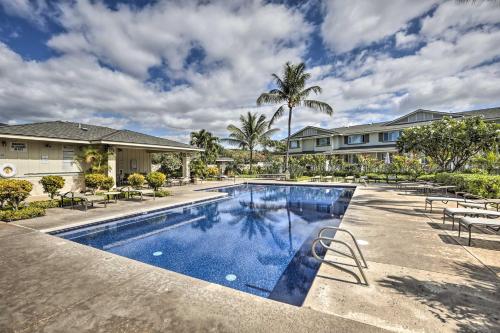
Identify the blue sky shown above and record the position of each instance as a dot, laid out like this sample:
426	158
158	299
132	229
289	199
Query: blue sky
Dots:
170	67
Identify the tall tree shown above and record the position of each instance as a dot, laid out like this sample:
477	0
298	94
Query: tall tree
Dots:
451	143
254	131
204	139
291	93
96	158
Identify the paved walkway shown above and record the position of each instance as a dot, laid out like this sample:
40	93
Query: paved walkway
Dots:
58	218
422	277
421	280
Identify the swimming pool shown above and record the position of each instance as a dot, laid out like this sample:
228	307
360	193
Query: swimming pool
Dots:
257	240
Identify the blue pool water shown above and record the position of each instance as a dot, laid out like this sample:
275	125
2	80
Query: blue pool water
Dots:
257	240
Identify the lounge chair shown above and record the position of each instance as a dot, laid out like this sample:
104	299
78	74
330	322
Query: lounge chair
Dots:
142	192
173	182
85	199
430	200
473	204
351	178
453	212
469	222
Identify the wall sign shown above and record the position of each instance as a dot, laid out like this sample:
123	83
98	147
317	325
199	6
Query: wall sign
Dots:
20	147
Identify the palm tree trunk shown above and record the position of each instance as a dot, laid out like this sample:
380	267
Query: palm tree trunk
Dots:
251	160
288	139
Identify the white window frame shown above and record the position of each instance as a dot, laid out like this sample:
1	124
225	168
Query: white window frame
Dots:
296	142
351	141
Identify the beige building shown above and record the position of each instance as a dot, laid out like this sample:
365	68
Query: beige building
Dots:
31	151
377	140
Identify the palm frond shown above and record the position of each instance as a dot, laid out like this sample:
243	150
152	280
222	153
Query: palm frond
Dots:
304	93
277	114
318	106
270	98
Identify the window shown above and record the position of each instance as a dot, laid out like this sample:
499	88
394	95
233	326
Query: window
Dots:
294	144
356	139
322	142
389	136
68	157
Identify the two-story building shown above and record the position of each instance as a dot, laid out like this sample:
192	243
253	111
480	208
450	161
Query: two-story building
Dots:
377	140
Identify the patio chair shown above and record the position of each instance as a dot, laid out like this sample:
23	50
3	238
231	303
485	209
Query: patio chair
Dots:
141	192
469	222
86	198
173	182
473	204
349	178
445	200
453	212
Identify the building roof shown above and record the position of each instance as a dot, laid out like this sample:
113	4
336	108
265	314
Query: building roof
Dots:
488	114
90	134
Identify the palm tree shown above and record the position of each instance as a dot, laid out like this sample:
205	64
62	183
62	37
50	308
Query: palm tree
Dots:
95	157
253	131
204	139
292	93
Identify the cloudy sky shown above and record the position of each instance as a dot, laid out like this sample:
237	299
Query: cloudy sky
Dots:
170	67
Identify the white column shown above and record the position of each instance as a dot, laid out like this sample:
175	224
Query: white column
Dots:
112	164
185	166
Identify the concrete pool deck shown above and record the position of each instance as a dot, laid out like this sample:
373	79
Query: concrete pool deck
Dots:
421	279
422	276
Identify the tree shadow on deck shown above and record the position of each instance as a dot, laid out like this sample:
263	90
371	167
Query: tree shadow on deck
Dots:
472	307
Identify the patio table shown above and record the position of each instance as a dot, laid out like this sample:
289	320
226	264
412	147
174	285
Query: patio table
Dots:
315	179
110	194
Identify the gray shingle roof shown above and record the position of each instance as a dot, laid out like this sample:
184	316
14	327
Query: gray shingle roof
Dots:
85	132
489	114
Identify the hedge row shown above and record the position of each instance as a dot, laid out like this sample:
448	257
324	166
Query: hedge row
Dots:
486	186
27	212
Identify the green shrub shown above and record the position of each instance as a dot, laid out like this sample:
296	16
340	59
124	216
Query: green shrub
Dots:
213	171
14	191
27	212
162	193
107	183
52	184
483	185
427	178
155	179
45	204
95	181
136	180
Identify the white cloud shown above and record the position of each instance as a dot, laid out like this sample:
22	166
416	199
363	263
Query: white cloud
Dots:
404	41
349	24
451	19
31	10
239	44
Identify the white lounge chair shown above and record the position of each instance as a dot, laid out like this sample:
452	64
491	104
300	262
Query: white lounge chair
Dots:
430	200
142	192
453	212
469	222
86	199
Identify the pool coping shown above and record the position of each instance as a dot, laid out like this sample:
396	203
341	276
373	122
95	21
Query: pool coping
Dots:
108	219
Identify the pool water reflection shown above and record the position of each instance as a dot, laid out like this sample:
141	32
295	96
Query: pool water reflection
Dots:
256	240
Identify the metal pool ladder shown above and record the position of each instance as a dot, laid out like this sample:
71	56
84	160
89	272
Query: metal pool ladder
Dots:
321	241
